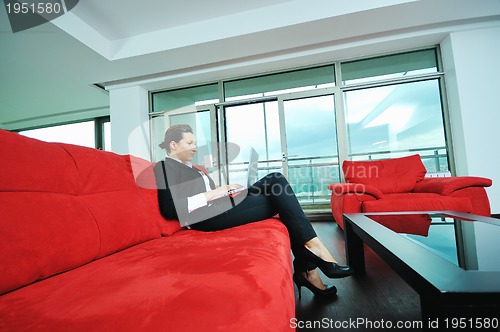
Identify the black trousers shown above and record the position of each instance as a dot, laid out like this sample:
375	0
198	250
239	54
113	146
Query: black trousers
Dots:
267	197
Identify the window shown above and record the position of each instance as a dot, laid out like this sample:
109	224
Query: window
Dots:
305	122
190	106
389	67
184	99
93	134
275	84
396	120
107	136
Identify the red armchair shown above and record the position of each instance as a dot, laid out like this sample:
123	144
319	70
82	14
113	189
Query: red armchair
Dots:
399	184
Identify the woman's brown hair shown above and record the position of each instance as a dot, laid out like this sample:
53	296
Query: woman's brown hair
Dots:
174	133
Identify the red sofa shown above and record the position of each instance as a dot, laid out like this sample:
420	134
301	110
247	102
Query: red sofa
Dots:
84	248
399	184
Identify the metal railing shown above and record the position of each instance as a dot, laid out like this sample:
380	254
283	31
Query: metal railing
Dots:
311	188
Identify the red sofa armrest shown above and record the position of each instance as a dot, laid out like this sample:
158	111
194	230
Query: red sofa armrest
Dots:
355	188
446	186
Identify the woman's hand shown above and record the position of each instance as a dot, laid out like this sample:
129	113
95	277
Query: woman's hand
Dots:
221	191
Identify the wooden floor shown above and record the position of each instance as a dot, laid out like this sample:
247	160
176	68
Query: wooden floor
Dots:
376	298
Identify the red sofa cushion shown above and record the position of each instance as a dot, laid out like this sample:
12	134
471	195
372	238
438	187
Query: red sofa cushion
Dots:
31	165
62	206
418	202
35	244
146	182
233	280
108	189
396	175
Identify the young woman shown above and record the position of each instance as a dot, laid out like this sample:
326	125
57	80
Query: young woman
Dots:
190	196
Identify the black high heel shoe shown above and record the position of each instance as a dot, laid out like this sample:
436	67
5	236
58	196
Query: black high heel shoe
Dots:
300	281
330	269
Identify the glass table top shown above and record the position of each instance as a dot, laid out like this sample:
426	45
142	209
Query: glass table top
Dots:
472	244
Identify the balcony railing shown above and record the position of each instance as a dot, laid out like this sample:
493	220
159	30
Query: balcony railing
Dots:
310	176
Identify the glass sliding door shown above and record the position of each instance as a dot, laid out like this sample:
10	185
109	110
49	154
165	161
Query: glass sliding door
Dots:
294	135
255	125
310	147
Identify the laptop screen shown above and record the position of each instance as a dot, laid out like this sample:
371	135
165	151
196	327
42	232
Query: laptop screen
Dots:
253	165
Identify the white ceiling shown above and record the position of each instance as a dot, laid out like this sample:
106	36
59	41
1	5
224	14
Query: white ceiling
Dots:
48	72
120	20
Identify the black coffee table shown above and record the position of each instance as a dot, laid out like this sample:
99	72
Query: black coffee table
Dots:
451	259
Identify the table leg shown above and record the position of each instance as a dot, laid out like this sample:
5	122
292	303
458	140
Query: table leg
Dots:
429	309
354	249
463	312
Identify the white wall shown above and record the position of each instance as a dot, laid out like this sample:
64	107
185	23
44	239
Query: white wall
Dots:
472	74
129	121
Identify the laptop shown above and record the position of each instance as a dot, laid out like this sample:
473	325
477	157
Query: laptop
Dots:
253	165
251	176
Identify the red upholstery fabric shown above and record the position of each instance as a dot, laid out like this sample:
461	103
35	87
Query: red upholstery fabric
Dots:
105	180
478	199
43	184
446	186
418	202
355	188
35	196
35	244
25	166
348	203
145	180
348	197
191	281
81	250
390	175
399	185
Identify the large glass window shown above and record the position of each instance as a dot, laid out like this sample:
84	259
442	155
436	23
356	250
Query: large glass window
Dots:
389	67
185	99
92	134
396	120
305	122
271	85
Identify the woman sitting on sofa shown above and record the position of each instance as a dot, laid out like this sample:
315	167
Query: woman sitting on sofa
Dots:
190	196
